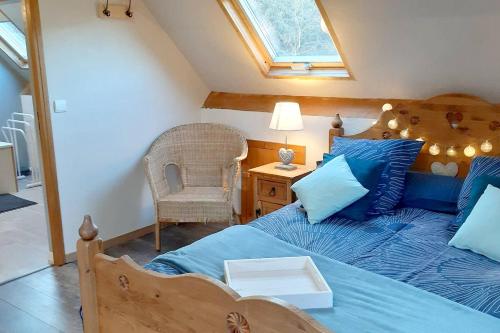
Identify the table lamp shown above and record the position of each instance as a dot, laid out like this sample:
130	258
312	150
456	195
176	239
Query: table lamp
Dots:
286	117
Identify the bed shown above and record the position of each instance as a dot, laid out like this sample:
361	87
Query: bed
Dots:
389	274
410	246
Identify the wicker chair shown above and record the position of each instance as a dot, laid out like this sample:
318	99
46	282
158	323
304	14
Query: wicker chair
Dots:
192	171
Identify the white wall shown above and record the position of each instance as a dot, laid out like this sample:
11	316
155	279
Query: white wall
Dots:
255	125
125	82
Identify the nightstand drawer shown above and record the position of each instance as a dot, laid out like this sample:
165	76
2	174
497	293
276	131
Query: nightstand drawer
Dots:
272	191
269	207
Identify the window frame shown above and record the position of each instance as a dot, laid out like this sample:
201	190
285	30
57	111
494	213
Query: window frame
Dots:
9	50
271	69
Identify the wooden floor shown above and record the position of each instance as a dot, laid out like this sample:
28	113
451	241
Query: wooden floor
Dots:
24	243
48	300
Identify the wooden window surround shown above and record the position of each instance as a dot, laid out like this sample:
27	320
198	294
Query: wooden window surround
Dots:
272	67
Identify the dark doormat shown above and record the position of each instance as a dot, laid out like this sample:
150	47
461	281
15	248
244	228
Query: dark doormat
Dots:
10	202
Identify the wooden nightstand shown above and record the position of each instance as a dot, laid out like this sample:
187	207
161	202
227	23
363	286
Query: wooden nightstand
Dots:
272	187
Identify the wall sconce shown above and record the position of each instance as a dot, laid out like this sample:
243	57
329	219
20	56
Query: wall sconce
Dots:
486	146
405	134
434	150
469	151
451	151
387	107
392	124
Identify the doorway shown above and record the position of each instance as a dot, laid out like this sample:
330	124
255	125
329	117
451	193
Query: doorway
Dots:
30	223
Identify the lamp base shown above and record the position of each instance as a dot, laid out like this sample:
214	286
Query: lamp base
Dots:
288	167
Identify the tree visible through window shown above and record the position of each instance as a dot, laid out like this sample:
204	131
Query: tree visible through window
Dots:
288	37
293	30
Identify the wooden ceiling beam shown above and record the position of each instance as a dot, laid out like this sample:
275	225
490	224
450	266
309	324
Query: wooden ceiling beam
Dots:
309	105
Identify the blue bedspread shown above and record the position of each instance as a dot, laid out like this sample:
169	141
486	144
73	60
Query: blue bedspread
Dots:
409	246
363	301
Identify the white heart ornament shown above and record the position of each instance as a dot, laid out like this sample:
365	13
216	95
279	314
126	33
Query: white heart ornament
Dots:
450	169
286	155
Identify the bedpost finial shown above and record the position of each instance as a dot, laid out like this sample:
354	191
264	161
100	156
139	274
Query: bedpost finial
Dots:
88	230
337	121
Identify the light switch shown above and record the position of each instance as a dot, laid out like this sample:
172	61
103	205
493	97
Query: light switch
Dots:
60	106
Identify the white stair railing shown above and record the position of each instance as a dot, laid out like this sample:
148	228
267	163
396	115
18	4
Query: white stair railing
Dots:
25	128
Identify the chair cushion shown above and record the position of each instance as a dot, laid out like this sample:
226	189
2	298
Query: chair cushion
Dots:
196	204
197	194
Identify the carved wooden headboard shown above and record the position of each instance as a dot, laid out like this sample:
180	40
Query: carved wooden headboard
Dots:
451	120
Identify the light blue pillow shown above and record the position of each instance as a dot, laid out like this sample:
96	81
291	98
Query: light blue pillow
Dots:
480	232
328	190
481	166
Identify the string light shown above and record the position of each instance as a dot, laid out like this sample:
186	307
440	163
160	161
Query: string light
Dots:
405	134
486	146
469	151
393	123
387	107
451	151
434	150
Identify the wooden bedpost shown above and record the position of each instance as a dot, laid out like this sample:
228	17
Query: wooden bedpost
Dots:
336	130
86	248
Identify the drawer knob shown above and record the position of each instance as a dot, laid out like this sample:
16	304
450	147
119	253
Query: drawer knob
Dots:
272	193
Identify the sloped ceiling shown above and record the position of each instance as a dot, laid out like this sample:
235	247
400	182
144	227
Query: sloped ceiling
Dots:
395	48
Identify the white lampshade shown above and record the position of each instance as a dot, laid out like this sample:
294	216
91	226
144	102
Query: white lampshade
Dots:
286	117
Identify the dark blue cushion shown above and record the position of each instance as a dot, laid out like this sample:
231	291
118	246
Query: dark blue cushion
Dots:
431	192
481	166
367	172
399	155
477	189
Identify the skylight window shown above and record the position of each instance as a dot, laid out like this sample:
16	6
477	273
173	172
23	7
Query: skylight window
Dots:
13	42
288	37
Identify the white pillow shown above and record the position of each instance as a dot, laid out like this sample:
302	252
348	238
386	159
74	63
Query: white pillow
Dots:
328	190
480	232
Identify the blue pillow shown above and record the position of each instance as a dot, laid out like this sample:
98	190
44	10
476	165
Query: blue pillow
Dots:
367	172
431	192
482	165
399	155
477	189
328	190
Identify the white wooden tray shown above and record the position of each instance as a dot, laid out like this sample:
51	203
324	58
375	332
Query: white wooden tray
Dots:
295	280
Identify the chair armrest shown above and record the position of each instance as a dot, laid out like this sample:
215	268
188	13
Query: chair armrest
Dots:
154	165
233	171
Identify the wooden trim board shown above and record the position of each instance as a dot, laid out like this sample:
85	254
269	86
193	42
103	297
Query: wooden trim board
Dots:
118	240
42	112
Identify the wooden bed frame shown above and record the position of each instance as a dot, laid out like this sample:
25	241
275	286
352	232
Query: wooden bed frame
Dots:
118	295
450	120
